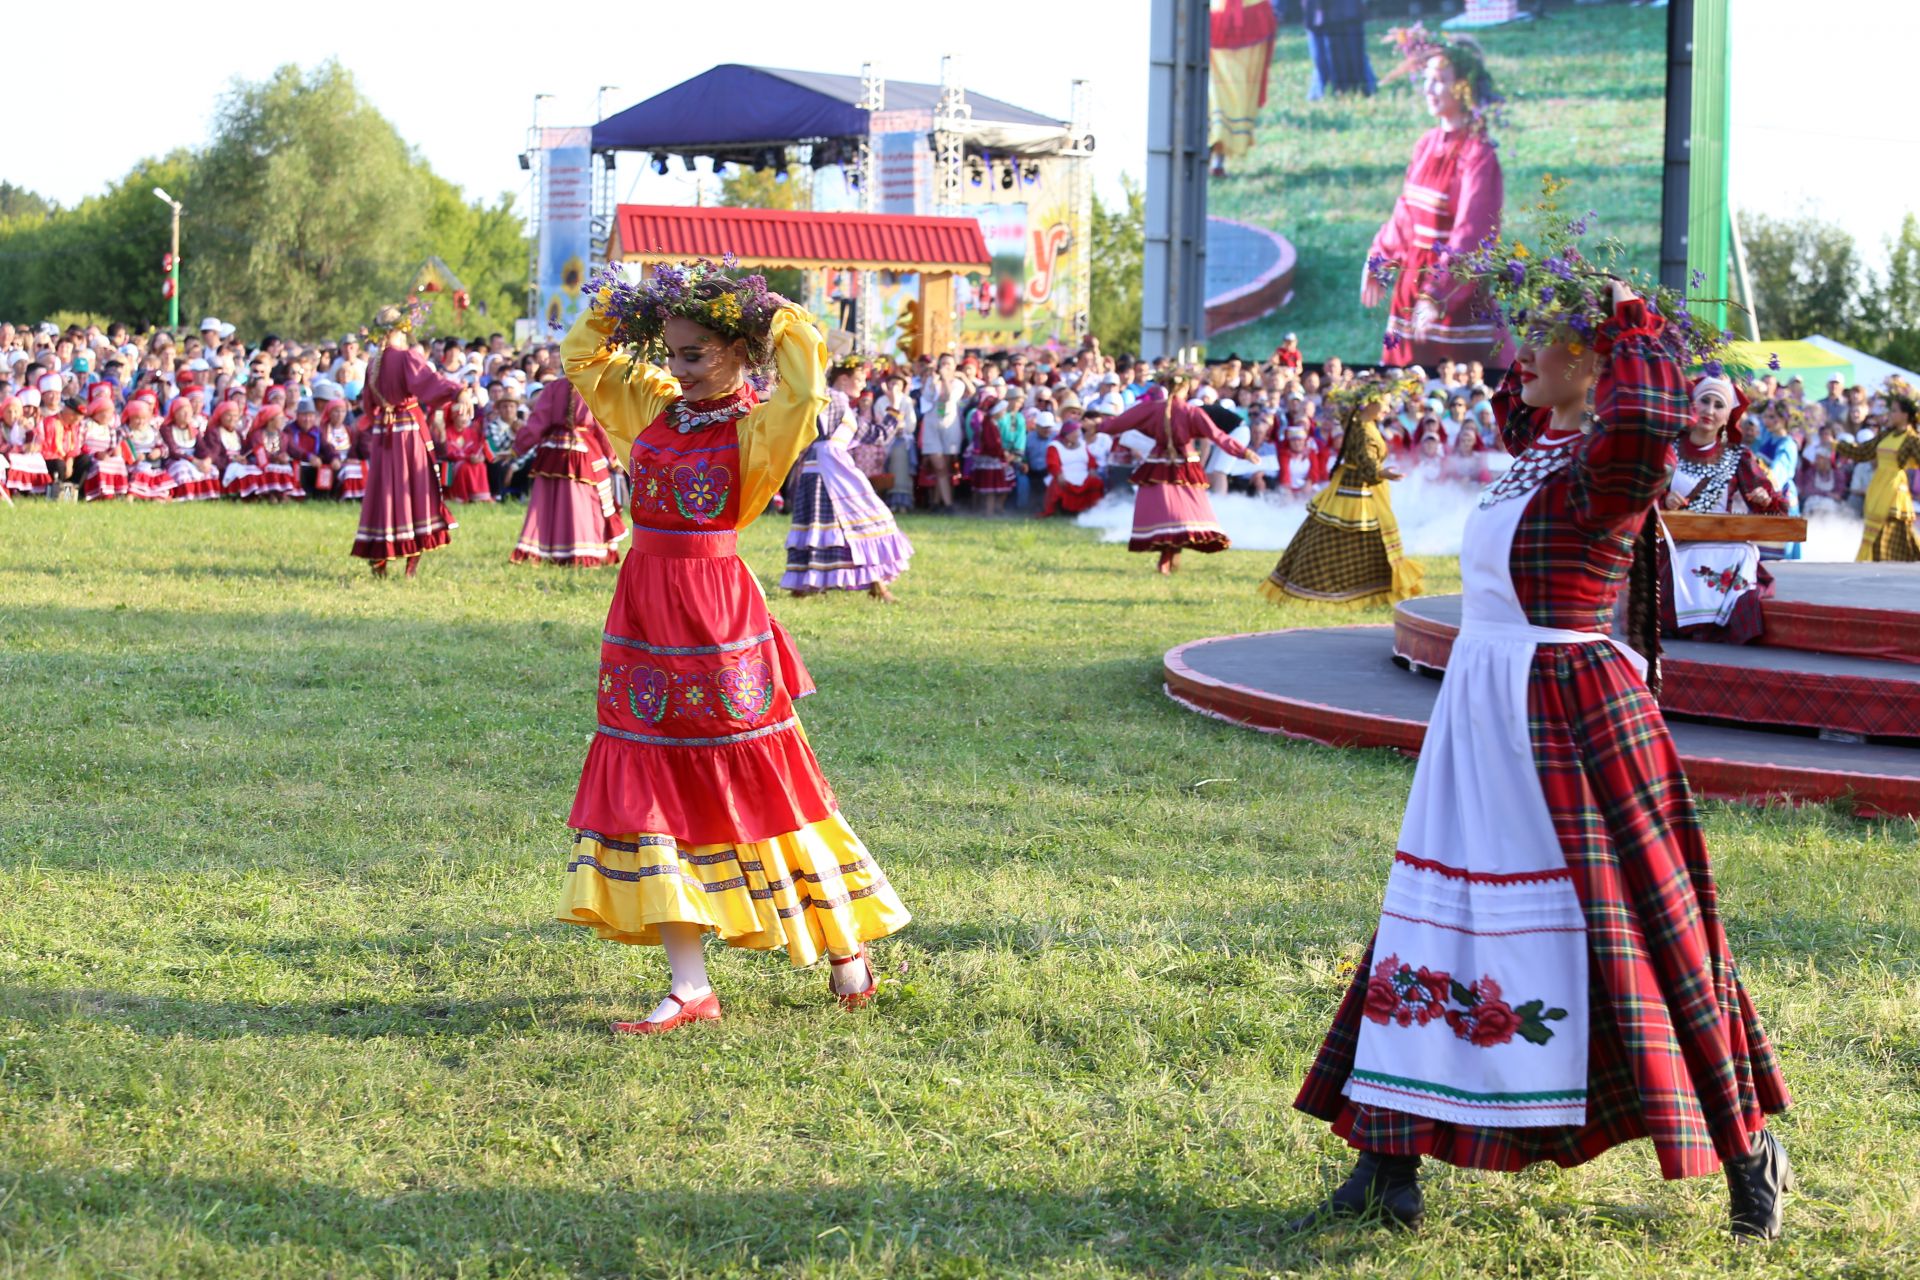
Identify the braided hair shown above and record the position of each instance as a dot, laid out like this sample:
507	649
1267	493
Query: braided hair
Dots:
1643	599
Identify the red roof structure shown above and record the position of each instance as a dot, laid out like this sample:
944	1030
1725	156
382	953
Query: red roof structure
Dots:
790	238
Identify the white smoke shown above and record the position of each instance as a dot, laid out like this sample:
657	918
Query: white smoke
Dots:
1432	513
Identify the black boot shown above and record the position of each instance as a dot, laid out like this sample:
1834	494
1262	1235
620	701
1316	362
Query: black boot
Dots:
1385	1185
1757	1186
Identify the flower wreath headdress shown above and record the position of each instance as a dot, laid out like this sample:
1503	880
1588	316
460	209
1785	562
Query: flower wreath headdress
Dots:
1560	290
737	308
1473	83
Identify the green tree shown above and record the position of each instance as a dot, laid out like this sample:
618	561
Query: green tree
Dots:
1806	274
308	209
1890	327
746	188
1119	254
18	202
102	256
485	245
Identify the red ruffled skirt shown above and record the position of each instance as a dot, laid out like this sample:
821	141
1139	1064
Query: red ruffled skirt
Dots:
697	734
1171	511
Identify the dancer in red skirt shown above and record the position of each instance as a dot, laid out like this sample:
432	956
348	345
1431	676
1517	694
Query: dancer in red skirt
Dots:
572	518
1170	508
701	808
1549	977
1073	485
402	512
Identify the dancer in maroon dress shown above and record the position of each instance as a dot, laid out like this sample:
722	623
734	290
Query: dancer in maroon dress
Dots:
402	512
572	518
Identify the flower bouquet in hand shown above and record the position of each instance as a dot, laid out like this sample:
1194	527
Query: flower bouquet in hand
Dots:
707	293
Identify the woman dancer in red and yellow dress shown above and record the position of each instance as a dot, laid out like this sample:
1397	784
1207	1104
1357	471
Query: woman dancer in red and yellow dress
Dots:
701	808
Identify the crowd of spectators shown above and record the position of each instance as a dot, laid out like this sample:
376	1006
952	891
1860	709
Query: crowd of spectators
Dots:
100	413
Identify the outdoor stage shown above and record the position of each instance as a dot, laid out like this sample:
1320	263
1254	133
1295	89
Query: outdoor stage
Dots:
1825	707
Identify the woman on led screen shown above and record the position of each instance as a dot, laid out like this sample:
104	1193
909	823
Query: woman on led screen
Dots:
1452	197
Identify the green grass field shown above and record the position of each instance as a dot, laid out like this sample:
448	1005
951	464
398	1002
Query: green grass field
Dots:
1585	94
279	995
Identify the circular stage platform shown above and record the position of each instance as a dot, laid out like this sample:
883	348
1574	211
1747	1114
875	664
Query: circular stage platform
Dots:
1757	722
1249	273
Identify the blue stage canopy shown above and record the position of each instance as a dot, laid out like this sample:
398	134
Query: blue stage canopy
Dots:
734	109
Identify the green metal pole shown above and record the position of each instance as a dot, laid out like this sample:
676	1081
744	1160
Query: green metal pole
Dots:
1707	206
173	303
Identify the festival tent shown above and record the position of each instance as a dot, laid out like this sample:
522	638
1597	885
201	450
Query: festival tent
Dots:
1868	371
1812	362
741	114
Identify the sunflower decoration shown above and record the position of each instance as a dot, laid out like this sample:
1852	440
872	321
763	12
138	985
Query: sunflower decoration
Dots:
572	272
706	292
1559	289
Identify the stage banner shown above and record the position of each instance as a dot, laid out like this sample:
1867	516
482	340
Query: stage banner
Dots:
566	223
903	159
997	301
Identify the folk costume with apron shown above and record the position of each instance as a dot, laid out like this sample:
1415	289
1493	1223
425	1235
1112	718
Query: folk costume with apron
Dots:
1712	590
1549	977
701	801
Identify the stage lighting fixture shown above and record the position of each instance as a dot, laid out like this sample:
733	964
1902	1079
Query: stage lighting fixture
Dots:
976	173
660	165
608	157
1006	178
525	163
1029	173
1086	143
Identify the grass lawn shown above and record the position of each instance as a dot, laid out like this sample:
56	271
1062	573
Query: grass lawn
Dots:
279	995
1586	91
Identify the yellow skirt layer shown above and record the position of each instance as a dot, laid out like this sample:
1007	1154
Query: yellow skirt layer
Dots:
1236	79
815	892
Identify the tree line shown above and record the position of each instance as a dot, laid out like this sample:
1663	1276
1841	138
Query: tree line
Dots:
1809	276
304	213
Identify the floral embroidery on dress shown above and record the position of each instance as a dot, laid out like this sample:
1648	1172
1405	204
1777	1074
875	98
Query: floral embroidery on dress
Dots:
700	490
747	690
1400	995
649	489
1725	581
649	694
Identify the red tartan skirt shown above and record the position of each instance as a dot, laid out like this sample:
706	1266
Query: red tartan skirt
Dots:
697	734
1676	1052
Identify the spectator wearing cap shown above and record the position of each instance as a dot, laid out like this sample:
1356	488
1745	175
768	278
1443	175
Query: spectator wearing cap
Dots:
1287	354
1030	486
1835	405
306	445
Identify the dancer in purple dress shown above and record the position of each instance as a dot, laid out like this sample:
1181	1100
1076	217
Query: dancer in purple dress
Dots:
843	537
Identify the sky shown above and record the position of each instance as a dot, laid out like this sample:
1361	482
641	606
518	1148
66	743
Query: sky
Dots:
1822	118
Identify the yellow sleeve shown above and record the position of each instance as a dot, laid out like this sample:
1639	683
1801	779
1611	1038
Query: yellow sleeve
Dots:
623	395
777	432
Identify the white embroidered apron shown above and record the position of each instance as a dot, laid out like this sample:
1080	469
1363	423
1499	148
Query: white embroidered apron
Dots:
1708	577
1477	1006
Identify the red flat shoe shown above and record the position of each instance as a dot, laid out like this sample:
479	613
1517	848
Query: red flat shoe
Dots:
705	1009
855	999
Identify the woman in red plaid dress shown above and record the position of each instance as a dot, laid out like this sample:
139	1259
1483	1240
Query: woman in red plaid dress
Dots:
1549	977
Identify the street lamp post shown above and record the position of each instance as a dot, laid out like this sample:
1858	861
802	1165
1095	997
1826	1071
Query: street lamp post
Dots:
173	263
